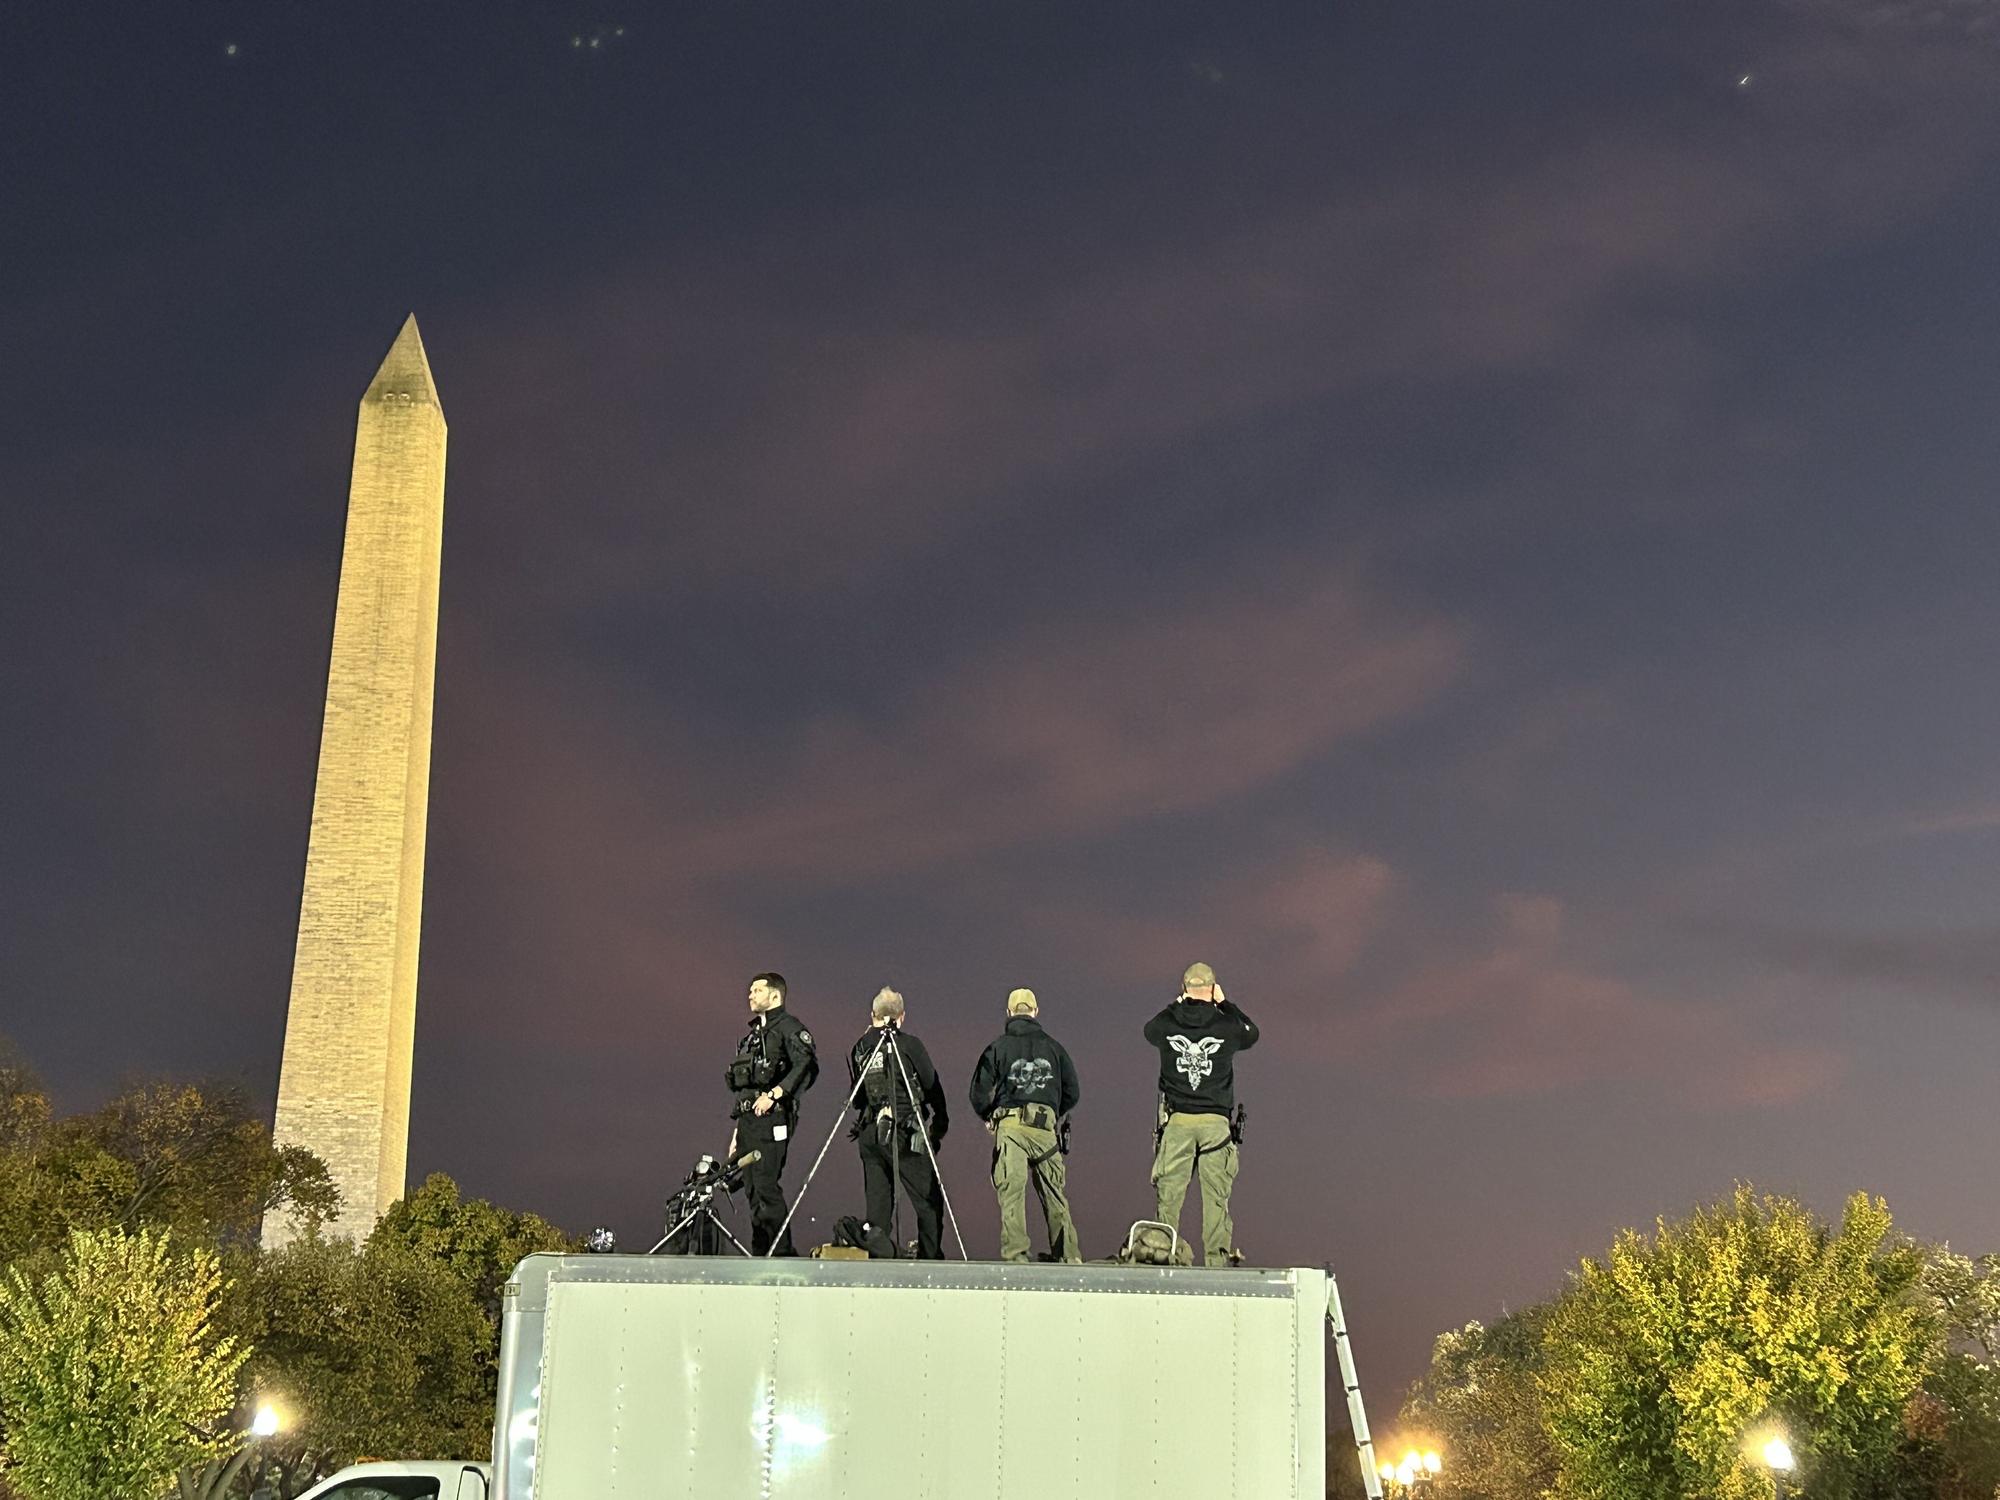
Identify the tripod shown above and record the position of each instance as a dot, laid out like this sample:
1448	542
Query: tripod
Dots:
887	1039
694	1208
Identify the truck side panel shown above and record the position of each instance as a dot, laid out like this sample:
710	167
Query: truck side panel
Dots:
660	1381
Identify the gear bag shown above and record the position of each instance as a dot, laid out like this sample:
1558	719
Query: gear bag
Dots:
1151	1243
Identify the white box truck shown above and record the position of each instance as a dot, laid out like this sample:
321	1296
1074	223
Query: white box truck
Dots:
709	1378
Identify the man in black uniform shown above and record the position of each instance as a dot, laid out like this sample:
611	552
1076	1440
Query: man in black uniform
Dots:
1198	1037
887	1126
774	1065
1023	1087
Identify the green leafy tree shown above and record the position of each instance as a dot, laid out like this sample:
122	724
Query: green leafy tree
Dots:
1967	1293
196	1160
1956	1426
1663	1359
24	1122
1481	1403
24	1104
478	1242
370	1351
390	1348
112	1373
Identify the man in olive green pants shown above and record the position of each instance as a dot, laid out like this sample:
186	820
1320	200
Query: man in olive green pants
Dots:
1198	1037
1027	1152
1199	1146
1023	1086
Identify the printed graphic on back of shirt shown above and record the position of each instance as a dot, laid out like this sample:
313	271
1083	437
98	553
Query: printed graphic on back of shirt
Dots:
1195	1060
1030	1075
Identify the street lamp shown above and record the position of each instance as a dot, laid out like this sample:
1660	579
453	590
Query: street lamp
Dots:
213	1479
1415	1476
1777	1456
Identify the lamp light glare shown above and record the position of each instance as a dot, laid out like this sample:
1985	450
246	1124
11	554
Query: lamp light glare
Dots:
265	1423
1778	1456
1431	1460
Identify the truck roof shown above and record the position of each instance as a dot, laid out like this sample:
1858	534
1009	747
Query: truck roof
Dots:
532	1277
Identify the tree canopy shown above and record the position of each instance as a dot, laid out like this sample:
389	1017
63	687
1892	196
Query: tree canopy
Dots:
1660	1369
367	1350
1959	1417
388	1348
195	1159
1669	1355
113	1375
478	1242
1481	1402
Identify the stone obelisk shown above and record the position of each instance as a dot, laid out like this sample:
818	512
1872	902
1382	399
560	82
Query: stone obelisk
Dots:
344	1088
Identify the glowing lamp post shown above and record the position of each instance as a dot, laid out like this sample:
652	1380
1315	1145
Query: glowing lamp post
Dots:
212	1480
1776	1455
1414	1476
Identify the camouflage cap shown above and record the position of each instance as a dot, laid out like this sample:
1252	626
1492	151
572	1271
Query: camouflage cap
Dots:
1020	1002
1196	976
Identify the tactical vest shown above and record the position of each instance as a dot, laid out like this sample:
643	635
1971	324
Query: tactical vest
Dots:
754	1067
882	1081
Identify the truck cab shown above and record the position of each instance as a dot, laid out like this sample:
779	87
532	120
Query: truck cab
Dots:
409	1480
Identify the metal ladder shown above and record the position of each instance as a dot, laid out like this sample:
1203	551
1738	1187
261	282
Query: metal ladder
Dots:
1357	1415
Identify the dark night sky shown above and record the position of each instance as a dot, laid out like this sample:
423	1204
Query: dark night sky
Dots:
1477	520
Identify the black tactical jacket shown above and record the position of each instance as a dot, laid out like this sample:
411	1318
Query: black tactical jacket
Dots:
1025	1065
1198	1043
782	1040
884	1081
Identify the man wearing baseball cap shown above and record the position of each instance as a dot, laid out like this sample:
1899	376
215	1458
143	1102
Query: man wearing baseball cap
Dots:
1023	1087
1198	1037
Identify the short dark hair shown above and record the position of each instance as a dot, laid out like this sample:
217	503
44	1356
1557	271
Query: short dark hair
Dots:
770	981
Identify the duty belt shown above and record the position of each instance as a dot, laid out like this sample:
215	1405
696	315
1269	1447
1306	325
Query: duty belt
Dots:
1035	1116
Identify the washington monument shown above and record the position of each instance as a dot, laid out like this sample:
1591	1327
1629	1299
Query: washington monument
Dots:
344	1087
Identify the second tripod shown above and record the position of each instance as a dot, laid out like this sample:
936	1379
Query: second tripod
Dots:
693	1225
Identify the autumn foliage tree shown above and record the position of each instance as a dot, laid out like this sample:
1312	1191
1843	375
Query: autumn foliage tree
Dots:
113	1374
1660	1368
1669	1355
